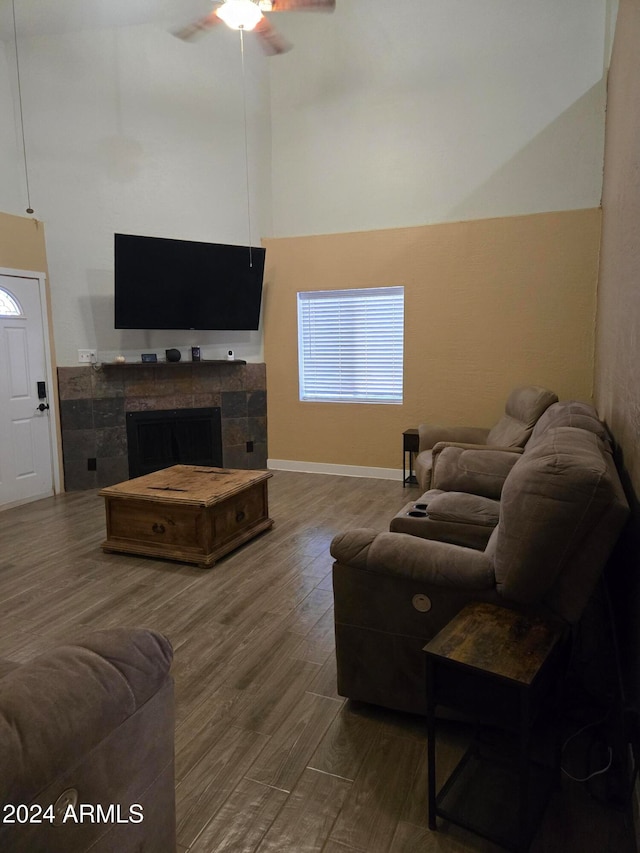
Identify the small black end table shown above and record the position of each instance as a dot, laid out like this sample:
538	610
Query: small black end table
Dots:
410	445
498	667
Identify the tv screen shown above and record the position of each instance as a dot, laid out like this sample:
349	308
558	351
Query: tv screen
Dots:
162	283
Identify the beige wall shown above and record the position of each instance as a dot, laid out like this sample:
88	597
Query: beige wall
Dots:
489	304
22	245
618	330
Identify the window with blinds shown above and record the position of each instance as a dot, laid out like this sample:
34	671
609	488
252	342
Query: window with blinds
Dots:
351	345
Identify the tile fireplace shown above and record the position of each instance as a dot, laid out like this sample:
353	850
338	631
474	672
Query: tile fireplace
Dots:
95	403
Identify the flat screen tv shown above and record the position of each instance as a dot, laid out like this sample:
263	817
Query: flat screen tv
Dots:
162	283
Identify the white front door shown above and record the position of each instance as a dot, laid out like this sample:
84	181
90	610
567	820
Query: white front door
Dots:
26	470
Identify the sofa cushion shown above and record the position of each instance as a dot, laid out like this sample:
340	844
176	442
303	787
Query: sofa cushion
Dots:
459	521
571	413
476	471
462	508
509	432
553	503
6	666
523	408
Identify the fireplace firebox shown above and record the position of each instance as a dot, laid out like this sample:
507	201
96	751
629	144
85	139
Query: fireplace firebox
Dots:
159	439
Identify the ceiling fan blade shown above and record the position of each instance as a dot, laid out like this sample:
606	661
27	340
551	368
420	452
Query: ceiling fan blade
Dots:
303	5
271	41
197	28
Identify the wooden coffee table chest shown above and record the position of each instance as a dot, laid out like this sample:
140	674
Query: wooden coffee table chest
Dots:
188	513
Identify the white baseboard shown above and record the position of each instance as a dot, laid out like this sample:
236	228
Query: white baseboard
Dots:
340	470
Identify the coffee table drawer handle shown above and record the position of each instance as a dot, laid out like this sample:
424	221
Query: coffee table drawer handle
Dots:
158	528
240	515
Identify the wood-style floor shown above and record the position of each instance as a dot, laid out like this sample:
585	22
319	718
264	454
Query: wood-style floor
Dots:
269	759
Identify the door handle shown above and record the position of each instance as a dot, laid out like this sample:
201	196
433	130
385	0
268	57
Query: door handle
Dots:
42	407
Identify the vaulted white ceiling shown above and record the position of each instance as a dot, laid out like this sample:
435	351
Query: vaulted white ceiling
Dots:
44	17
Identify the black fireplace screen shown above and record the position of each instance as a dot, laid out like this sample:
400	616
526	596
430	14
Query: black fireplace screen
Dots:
173	437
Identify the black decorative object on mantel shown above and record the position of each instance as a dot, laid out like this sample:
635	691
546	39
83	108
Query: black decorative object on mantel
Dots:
173	355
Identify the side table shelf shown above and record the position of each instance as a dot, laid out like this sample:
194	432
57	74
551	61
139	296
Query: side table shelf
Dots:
498	667
479	795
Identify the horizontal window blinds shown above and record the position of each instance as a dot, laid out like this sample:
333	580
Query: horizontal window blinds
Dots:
350	345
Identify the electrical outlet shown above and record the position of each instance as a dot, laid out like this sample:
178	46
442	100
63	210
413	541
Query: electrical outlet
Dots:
87	356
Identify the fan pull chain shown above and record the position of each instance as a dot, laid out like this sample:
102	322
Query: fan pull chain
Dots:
246	142
24	147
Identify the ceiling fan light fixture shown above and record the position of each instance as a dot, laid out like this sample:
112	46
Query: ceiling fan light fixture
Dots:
240	14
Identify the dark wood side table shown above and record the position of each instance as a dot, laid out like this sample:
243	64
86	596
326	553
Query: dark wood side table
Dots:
410	445
498	667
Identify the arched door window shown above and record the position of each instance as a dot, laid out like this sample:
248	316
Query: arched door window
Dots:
9	305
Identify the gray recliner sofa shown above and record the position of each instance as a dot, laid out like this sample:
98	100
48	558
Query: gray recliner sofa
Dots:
561	510
523	408
84	726
463	504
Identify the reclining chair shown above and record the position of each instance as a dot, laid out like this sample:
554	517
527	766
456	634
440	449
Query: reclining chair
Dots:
85	726
463	504
561	510
522	409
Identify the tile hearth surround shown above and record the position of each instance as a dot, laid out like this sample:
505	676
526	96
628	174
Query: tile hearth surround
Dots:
94	402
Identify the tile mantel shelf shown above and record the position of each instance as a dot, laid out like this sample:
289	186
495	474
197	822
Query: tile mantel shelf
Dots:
170	363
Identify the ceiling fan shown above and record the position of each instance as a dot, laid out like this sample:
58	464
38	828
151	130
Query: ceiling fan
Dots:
249	15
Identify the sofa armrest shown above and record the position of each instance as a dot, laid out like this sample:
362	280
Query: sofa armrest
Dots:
464	508
402	555
472	469
392	593
430	434
57	708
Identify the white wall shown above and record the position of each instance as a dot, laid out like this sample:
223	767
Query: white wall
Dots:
129	129
396	114
13	197
382	115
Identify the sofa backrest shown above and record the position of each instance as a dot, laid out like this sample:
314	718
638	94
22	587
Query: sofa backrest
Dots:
523	408
571	413
561	512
